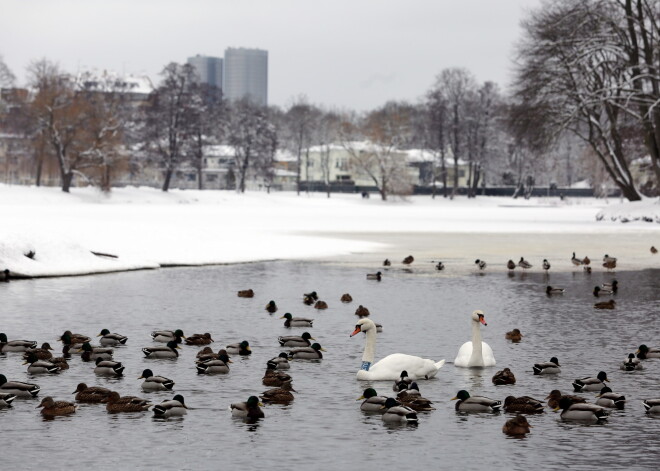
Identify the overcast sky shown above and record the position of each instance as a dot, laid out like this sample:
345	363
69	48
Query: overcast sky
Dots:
354	54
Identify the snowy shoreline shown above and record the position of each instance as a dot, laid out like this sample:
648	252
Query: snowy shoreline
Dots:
148	229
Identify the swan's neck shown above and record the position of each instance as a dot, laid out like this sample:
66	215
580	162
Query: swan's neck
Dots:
370	347
476	359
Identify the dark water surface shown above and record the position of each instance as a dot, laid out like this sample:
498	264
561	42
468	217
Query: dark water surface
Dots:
424	313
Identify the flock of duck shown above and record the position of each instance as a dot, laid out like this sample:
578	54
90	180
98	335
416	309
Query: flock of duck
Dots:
404	370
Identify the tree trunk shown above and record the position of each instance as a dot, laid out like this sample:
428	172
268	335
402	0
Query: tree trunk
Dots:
168	178
67	178
443	170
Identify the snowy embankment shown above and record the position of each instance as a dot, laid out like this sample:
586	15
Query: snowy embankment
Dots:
46	232
647	210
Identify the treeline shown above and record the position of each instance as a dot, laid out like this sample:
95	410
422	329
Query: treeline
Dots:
586	90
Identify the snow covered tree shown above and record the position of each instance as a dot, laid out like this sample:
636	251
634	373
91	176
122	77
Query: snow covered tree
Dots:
300	121
580	71
254	138
7	78
386	131
168	118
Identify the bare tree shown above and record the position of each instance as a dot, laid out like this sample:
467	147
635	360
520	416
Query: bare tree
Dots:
7	78
254	139
326	134
574	75
387	130
435	130
168	118
301	119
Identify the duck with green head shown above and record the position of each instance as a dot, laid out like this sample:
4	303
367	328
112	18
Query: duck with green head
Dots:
90	353
37	366
644	352
175	407
312	352
213	366
15	345
155	383
167	351
250	409
296	321
242	348
467	403
166	336
372	402
18	388
108	368
111	339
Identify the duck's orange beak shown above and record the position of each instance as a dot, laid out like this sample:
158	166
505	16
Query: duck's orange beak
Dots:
356	331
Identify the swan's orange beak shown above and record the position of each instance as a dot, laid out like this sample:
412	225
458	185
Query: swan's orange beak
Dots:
482	319
356	331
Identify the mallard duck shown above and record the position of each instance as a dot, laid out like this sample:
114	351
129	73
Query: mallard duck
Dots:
273	377
246	293
250	409
42	353
199	339
610	265
575	261
280	362
439	266
386	262
155	383
168	351
271	307
516	426
111	340
466	403
590	383
242	348
214	366
587	270
598	291
412	398
94	394
374	276
523	405
504	377
511	265
481	264
307	353
40	366
74	341
108	368
346	298
546	264
524	264
296	341
90	353
608	259
362	311
5	275
514	335
611	304
60	362
6	399
586	260
609	399
402	382
581	412
51	408
397	413
371	401
15	345
631	363
408	260
310	298
654	250
117	403
555	396
547	368
175	407
613	286
549	290
652	406
18	388
166	336
281	395
321	305
644	352
296	321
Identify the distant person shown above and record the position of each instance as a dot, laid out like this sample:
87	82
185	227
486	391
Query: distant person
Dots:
365	195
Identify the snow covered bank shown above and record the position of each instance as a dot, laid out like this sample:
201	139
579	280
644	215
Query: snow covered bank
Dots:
146	228
647	210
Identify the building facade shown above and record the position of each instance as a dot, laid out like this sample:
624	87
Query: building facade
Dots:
246	75
209	69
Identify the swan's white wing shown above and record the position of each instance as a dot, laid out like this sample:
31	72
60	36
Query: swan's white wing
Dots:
465	352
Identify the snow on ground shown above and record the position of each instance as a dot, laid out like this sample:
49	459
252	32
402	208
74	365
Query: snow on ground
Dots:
147	228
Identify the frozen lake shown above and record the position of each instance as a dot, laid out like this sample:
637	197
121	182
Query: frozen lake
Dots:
424	313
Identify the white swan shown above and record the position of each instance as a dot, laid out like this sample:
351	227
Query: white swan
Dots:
475	353
390	367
